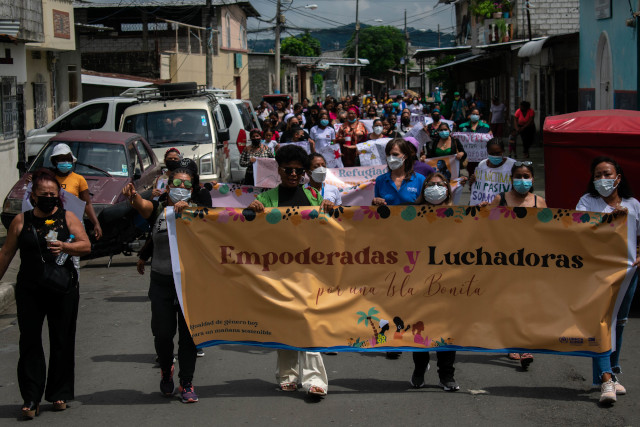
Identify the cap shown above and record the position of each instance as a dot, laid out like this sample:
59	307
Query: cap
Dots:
288	116
436	110
413	142
456	93
61	150
172	150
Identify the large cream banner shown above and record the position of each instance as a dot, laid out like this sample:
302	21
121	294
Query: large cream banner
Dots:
362	279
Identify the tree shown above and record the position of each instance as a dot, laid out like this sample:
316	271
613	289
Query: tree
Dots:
302	45
369	317
382	46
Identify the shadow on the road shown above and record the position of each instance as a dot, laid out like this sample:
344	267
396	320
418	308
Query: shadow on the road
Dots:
126	358
496	359
550	393
246	349
128	298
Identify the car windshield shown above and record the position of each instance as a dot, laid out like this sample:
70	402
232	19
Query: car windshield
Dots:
171	126
94	159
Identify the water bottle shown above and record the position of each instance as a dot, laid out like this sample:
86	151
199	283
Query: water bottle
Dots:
62	257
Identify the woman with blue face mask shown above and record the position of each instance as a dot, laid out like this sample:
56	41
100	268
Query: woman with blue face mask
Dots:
446	145
475	125
166	315
63	160
609	192
492	176
323	134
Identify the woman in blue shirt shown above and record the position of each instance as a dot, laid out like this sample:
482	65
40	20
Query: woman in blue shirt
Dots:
401	185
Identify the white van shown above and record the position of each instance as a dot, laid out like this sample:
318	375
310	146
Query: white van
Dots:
184	116
96	114
240	117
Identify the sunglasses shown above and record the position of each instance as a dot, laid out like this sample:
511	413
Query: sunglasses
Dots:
439	184
177	182
527	163
290	171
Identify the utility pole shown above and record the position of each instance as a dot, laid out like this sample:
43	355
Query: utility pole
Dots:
209	36
438	35
357	39
277	86
406	51
528	19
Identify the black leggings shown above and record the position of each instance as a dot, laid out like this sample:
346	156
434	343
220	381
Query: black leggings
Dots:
446	359
166	315
528	134
33	305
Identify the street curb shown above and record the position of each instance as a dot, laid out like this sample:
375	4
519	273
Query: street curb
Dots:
7	295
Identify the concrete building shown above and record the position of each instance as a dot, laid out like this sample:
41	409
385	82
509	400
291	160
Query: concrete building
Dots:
609	55
162	40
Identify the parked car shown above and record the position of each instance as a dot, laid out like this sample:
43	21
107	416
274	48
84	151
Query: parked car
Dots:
96	114
185	116
241	118
108	161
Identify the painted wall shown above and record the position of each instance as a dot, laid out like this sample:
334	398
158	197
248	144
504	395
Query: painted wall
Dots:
232	36
19	66
36	73
624	54
58	24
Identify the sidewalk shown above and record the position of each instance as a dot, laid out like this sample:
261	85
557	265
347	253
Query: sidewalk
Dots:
8	283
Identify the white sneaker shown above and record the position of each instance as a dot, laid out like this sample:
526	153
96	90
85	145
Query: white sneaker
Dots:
608	392
619	388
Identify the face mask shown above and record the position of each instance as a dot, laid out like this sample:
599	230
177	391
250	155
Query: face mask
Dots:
495	160
444	134
262	141
377	130
522	186
324	122
395	162
64	167
319	174
435	117
177	194
406	121
352	121
46	203
255	142
474	118
172	164
415	102
605	186
435	195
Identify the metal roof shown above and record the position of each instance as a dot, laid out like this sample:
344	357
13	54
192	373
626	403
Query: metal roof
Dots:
9	27
245	5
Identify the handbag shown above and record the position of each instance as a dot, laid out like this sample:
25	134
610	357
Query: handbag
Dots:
55	278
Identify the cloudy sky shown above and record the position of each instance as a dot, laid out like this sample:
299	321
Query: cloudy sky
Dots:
423	14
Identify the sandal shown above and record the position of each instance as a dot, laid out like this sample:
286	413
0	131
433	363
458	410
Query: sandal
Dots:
514	356
59	405
288	387
30	410
315	390
525	360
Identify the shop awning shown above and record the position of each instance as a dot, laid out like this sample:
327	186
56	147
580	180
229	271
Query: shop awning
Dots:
532	48
88	79
377	81
459	61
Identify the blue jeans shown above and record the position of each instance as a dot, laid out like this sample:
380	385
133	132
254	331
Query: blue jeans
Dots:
611	364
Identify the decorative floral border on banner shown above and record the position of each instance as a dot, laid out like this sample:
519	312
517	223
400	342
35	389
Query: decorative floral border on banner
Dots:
297	214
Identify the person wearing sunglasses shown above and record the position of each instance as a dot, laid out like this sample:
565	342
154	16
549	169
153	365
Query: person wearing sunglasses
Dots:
166	314
295	366
436	191
608	191
520	195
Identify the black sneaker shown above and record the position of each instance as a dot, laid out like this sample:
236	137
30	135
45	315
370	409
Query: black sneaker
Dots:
393	355
417	379
449	384
166	383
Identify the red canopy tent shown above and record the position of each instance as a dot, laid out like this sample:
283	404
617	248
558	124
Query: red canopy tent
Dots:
572	141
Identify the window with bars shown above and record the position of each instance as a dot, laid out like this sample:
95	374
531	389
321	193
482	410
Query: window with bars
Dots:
9	107
39	105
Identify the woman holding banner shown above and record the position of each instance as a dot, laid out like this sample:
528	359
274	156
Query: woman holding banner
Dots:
166	314
317	173
436	191
494	170
294	366
609	192
446	145
251	152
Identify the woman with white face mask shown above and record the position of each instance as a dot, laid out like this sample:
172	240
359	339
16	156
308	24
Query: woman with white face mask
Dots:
166	314
436	191
609	192
401	185
378	130
317	173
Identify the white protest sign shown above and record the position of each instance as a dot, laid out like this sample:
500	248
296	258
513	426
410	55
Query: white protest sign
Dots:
303	144
332	155
368	124
372	152
490	182
475	144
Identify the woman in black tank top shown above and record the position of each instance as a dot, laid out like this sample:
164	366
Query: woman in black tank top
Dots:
53	227
521	195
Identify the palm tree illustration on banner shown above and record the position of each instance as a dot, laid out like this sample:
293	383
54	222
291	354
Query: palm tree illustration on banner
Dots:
369	317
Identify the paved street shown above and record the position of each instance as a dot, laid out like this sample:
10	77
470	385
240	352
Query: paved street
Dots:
117	380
